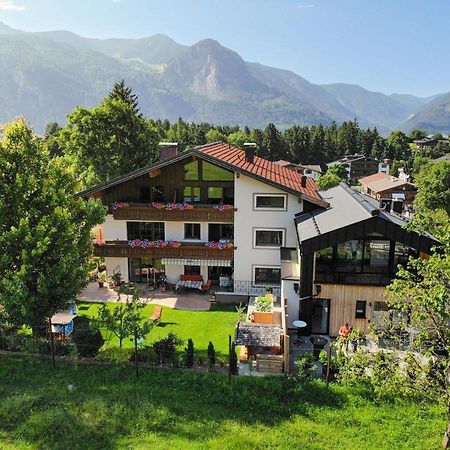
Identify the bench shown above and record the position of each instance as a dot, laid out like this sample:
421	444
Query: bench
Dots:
157	313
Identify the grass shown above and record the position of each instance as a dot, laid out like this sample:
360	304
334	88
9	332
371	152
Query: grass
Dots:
180	409
201	326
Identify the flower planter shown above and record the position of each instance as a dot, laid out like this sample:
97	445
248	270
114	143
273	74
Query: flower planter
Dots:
262	317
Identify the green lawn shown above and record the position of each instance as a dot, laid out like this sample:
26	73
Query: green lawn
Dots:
202	326
180	409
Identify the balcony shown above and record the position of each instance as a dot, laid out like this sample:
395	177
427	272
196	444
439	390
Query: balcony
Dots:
368	279
181	212
125	249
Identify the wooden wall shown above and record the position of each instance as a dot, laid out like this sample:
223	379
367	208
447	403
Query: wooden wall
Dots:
343	304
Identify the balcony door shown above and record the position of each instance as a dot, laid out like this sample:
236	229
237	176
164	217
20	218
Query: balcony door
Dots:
321	316
140	269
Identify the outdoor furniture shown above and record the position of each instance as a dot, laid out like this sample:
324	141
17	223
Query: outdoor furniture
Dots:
157	313
298	324
190	281
206	287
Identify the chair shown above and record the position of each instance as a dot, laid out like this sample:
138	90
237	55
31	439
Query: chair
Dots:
157	313
207	286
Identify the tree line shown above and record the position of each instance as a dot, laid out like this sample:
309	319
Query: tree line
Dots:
114	138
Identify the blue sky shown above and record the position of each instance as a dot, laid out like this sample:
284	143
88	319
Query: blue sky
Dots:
383	45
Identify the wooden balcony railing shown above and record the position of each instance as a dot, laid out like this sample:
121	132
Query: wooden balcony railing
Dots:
370	279
124	249
145	212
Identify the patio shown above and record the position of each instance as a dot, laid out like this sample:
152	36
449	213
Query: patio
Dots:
189	301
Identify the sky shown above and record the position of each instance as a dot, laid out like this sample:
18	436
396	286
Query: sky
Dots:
388	46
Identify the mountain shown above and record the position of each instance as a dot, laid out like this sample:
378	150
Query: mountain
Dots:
378	109
435	116
45	75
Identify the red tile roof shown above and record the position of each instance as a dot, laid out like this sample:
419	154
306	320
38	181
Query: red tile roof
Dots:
262	168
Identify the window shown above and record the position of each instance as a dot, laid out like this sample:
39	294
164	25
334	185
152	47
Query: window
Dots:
215	173
360	312
191	194
144	194
267	275
192	231
152	231
158	193
268	238
191	171
270	201
215	195
192	270
220	232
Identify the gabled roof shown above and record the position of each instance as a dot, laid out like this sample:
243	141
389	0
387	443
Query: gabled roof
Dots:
231	158
380	182
258	334
347	208
445	158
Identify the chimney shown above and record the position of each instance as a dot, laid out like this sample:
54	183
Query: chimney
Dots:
303	181
168	150
250	149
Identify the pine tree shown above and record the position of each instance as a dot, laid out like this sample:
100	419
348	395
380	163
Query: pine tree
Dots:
124	94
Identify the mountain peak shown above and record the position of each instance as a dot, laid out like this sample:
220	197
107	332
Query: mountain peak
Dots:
5	29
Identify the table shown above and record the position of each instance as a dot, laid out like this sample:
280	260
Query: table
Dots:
299	324
189	284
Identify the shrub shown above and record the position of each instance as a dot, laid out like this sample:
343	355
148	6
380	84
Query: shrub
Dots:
263	304
88	339
115	354
233	360
189	353
305	368
211	356
146	355
166	348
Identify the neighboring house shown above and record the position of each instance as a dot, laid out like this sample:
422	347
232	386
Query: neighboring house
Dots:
215	211
445	158
358	166
349	252
426	142
310	170
383	186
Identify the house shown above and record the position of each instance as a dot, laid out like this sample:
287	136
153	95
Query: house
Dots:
358	166
216	211
384	186
445	158
348	253
426	142
310	170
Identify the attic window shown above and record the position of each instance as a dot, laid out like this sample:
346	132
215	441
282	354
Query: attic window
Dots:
191	171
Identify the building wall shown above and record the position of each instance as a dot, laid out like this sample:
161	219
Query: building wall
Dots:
291	298
117	264
247	218
114	229
343	304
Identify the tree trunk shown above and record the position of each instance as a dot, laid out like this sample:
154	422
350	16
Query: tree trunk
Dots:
136	361
35	332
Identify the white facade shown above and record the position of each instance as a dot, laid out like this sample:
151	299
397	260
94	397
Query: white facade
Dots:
247	219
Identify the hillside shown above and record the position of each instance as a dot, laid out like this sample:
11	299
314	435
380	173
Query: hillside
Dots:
45	75
435	116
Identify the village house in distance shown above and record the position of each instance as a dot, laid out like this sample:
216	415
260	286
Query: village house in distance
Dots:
239	223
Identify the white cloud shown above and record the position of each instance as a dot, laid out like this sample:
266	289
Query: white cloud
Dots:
306	6
9	5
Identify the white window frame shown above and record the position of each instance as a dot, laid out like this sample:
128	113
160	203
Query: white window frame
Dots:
283	238
267	283
264	208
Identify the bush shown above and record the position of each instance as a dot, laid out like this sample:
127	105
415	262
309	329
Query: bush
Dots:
115	354
166	348
211	356
305	368
189	353
87	338
233	360
146	355
263	304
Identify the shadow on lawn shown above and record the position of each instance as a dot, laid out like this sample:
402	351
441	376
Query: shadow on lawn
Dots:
108	404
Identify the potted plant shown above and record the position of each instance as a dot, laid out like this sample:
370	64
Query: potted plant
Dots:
101	279
334	366
117	278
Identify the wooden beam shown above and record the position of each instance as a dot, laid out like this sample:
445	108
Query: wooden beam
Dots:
154	173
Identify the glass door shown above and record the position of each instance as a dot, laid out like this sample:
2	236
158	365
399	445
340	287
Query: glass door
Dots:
321	316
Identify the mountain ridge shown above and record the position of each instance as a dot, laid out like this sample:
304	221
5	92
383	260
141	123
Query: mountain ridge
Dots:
202	82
